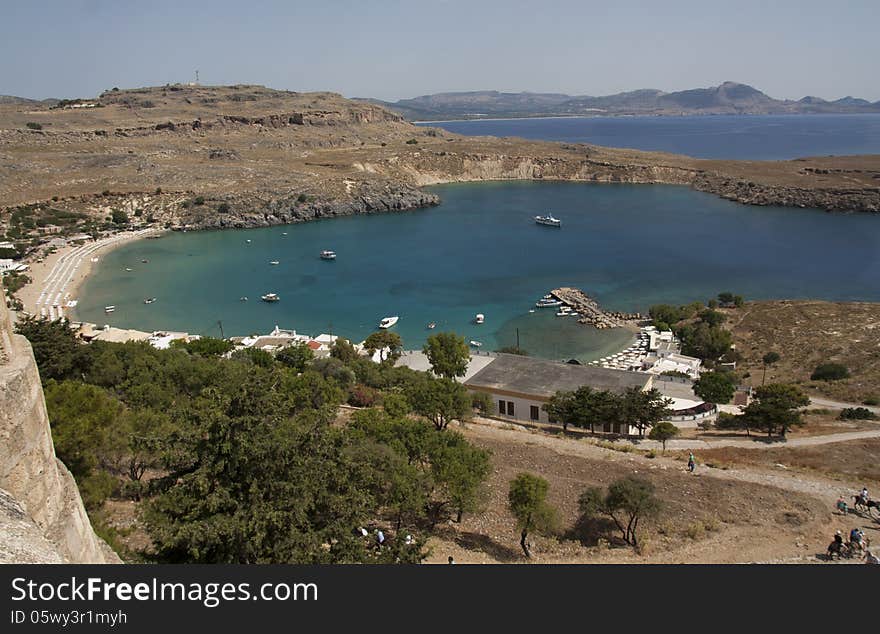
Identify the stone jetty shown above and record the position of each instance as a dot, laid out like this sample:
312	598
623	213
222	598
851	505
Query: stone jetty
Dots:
589	310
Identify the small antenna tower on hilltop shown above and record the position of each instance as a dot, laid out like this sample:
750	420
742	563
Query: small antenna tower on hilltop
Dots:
197	77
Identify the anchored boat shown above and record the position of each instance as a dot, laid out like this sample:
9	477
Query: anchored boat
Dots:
328	255
548	221
387	322
270	297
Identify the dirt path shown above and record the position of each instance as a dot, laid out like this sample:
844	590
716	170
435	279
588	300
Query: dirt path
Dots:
827	489
755	443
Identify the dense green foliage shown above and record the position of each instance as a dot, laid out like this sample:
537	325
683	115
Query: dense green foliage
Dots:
527	501
698	327
448	354
776	408
205	346
715	387
830	372
588	408
857	413
627	502
243	460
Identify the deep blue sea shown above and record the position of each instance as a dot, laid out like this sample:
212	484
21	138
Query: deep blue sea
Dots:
480	252
753	137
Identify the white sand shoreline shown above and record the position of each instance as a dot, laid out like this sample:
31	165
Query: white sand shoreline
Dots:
57	280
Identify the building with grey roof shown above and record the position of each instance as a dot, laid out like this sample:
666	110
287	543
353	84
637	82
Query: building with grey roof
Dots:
520	385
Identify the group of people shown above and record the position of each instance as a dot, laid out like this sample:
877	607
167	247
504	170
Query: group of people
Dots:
857	543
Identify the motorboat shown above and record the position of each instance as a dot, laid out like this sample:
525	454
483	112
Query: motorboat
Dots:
128	269
274	262
565	311
475	344
109	309
242	299
328	255
388	322
144	261
548	221
247	241
284	233
431	325
149	300
480	318
547	303
270	297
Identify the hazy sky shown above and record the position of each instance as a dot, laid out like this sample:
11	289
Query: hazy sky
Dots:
396	48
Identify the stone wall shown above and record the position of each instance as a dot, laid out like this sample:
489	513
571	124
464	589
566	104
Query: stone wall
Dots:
30	474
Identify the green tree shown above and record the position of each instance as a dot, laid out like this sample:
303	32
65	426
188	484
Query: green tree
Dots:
254	355
704	341
58	352
384	339
776	408
482	402
712	317
205	346
448	354
296	357
396	405
642	408
715	387
830	372
527	501
562	408
663	431
627	502
119	217
440	400
768	360
343	350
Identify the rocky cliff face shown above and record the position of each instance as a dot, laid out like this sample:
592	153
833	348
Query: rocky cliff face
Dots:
39	495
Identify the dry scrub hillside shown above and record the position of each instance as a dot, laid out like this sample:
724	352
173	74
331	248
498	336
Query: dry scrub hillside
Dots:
807	333
254	153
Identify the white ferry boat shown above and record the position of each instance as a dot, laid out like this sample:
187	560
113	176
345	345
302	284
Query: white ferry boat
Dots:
270	297
548	220
387	322
328	255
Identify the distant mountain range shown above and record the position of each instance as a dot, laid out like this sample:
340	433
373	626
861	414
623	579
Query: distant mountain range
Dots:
728	98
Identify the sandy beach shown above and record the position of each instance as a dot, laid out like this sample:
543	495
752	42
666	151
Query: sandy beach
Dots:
57	279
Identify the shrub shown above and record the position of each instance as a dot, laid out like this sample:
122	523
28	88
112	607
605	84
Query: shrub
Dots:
830	372
199	200
857	413
871	400
223	208
302	198
158	190
412	142
362	396
34	126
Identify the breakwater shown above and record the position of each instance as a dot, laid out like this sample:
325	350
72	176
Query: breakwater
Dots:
589	311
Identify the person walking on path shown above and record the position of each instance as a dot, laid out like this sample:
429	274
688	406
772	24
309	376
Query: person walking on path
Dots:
692	464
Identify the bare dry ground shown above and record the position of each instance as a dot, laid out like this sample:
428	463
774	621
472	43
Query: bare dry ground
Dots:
806	333
852	462
710	517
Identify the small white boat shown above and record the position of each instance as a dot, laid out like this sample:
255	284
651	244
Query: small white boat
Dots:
388	322
109	309
270	297
149	300
284	233
431	325
247	241
475	344
547	303
548	221
328	255
274	262
128	269
145	261
480	318
242	299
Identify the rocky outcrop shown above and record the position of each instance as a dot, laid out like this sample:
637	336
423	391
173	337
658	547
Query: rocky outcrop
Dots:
751	193
255	210
39	484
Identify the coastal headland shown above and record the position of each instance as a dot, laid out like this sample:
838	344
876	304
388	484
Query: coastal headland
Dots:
199	157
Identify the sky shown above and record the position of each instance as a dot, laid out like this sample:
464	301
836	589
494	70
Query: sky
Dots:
391	49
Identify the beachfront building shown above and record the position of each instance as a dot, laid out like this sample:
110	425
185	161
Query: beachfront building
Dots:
11	266
281	338
519	386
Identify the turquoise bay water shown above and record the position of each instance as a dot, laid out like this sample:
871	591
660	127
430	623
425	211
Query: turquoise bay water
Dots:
480	252
753	137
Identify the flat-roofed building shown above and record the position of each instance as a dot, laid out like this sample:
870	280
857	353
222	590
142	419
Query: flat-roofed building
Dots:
519	385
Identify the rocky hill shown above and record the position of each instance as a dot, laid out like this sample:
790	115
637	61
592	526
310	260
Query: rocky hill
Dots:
233	156
728	98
